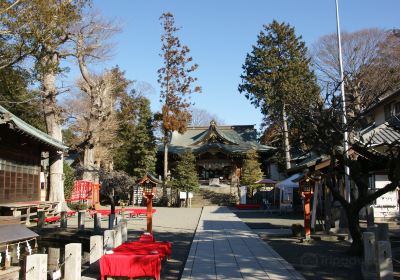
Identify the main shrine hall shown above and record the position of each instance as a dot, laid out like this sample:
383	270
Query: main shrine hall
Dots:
219	150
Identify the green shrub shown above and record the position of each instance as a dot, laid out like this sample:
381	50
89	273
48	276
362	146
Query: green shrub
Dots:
69	178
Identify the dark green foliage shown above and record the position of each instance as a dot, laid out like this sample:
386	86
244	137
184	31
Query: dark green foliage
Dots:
116	184
137	152
277	73
185	173
69	178
251	171
16	97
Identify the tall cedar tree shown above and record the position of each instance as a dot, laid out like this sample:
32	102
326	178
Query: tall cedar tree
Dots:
185	174
276	76
176	82
251	171
16	96
137	152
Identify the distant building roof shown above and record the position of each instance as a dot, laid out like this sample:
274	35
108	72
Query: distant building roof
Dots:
231	139
7	117
385	133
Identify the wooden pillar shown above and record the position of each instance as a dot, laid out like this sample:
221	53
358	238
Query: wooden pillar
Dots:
41	218
97	222
81	220
64	219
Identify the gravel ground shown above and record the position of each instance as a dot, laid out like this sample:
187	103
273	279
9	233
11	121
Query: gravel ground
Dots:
320	259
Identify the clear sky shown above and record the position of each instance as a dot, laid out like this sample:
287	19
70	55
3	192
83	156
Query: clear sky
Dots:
220	33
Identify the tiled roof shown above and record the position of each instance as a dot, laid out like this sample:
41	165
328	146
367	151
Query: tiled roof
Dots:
9	118
232	139
386	133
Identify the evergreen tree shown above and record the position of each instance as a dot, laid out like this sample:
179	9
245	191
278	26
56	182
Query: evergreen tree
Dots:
137	152
176	82
251	171
185	174
16	96
276	76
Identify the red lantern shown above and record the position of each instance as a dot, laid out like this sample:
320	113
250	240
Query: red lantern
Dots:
306	189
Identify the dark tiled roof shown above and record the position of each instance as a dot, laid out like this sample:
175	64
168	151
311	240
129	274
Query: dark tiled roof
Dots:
231	139
386	133
9	118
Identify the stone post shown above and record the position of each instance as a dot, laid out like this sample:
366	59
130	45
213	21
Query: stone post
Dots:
383	232
369	249
124	231
109	237
81	220
384	260
36	267
96	252
73	261
41	217
118	236
97	223
64	219
53	259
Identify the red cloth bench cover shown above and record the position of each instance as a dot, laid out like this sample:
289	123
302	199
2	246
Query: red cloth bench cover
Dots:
104	212
147	238
137	212
162	249
130	265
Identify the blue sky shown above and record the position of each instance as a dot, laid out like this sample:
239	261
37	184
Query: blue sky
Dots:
220	33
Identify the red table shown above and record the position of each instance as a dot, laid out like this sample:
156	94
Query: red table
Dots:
131	266
162	249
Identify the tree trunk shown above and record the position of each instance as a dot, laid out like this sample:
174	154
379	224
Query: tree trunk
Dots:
286	138
89	172
53	123
164	190
355	231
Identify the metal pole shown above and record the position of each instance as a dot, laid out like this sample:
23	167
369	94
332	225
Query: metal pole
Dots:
344	119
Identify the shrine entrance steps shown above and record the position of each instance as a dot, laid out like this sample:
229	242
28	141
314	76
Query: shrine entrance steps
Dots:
207	197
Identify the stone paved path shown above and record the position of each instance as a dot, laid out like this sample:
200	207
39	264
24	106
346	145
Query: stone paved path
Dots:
226	248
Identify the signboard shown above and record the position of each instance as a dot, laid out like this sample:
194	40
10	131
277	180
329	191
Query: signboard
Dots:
182	195
243	194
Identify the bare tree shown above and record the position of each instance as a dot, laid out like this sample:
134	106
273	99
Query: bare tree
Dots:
201	117
370	62
99	124
323	131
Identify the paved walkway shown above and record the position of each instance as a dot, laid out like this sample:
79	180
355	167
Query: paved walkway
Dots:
226	248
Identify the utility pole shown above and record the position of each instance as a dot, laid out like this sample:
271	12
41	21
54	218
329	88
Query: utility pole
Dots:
344	119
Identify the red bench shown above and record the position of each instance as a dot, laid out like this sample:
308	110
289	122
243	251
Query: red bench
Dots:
248	206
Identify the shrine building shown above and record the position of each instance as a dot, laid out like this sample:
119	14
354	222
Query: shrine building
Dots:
219	150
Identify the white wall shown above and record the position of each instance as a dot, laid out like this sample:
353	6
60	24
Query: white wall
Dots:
386	206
